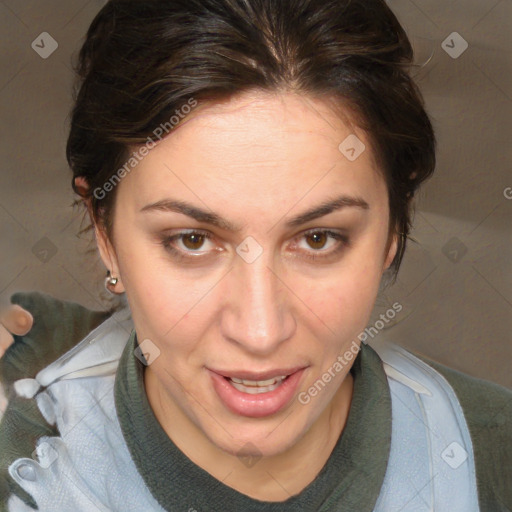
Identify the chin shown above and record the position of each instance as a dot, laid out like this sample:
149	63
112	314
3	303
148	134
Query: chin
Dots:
257	440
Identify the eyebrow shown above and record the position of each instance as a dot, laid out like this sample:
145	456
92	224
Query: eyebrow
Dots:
325	208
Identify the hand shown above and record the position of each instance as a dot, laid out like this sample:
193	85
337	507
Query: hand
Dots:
13	320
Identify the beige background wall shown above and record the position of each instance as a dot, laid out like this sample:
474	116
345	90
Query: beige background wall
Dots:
456	282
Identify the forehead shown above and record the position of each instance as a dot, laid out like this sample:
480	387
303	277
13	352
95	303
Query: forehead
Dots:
280	141
259	116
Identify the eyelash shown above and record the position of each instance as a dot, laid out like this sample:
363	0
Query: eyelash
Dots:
180	255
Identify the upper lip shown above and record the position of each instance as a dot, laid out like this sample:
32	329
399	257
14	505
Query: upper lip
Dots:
257	376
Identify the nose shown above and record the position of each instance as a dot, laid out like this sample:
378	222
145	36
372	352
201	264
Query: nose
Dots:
259	312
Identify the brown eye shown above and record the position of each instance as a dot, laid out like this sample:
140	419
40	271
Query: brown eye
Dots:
322	244
189	246
193	241
317	240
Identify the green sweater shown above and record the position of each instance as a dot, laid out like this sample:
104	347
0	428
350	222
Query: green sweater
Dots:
351	478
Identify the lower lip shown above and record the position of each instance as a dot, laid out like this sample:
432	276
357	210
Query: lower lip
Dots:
260	405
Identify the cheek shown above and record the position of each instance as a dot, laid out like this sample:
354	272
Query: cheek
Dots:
346	310
155	305
164	307
346	302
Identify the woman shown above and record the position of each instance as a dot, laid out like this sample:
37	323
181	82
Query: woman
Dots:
249	168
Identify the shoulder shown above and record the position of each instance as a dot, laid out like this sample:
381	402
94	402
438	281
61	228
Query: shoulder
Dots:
58	326
487	409
487	404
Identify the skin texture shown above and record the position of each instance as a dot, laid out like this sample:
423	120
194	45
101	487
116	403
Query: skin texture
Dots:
13	320
256	160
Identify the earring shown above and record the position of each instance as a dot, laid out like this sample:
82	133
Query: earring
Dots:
110	282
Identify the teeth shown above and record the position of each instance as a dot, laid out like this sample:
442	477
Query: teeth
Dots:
255	390
260	383
255	387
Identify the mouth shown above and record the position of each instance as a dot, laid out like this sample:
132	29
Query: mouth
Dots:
256	394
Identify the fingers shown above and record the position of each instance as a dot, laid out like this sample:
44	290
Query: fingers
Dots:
6	339
13	320
16	320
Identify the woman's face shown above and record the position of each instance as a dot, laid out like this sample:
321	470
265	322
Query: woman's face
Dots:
233	270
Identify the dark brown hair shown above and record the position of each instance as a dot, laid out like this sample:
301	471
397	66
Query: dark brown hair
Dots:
142	60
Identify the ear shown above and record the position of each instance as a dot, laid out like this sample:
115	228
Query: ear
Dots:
391	250
109	257
81	186
105	247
